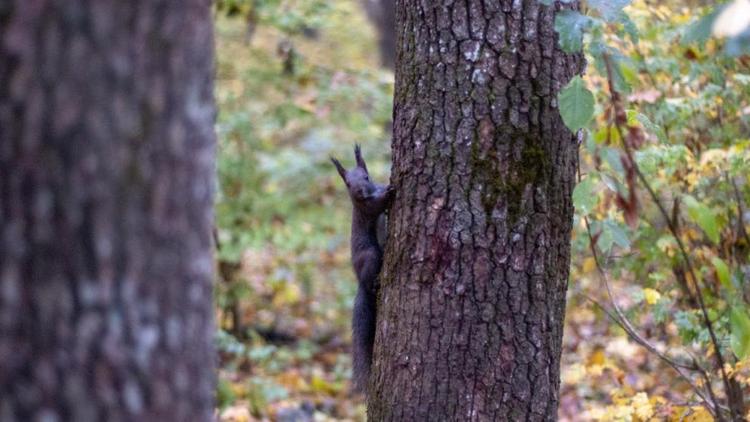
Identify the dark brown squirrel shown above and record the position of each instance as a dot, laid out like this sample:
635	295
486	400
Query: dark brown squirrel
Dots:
369	203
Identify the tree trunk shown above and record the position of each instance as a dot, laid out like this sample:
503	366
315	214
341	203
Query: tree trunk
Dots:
382	14
472	297
106	202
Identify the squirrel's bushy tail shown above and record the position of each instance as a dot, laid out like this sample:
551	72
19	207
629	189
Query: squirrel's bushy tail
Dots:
363	338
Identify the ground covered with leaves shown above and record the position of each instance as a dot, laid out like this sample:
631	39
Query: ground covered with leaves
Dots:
662	210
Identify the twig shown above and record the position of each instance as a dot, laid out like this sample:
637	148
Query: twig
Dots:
670	224
621	319
740	210
709	403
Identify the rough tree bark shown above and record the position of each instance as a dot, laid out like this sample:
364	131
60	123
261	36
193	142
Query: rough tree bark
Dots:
472	298
106	193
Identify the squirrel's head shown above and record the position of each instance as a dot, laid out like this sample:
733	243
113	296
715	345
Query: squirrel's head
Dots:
357	180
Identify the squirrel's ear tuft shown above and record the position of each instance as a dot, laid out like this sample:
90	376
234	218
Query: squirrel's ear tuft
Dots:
358	156
339	167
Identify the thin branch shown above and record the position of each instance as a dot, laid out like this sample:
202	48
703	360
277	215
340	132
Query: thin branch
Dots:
740	210
709	403
622	320
670	224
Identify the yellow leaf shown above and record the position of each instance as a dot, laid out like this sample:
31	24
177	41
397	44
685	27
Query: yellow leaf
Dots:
589	264
618	413
691	414
574	374
292	380
235	414
320	385
289	293
642	405
239	389
597	358
651	296
594	414
595	370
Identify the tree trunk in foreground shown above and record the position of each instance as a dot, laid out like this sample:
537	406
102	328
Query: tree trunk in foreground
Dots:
106	196
472	298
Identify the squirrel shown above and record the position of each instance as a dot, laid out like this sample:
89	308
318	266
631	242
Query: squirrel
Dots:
369	203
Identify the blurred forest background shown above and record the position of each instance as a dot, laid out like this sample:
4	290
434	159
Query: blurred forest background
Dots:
299	80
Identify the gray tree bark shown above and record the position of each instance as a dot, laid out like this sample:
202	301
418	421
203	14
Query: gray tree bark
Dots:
472	299
106	202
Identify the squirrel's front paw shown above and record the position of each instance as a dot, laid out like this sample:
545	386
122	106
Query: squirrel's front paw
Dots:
390	192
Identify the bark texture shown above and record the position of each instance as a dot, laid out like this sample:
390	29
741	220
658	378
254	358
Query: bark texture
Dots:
472	300
106	193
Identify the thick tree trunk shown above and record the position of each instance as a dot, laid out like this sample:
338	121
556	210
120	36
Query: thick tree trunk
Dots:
472	298
106	192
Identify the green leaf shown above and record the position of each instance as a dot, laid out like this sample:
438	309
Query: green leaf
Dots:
607	135
702	215
611	233
584	198
687	324
613	157
722	271
628	72
618	233
608	9
700	30
570	25
576	104
611	183
628	26
651	127
225	396
605	240
740	326
623	70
